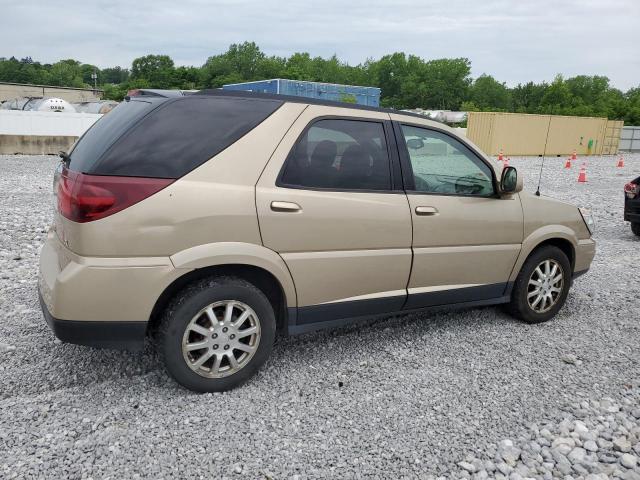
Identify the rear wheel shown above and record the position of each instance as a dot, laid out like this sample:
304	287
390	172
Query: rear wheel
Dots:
216	334
635	228
542	285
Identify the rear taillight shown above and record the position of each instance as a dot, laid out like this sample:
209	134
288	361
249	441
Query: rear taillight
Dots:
56	180
84	198
631	190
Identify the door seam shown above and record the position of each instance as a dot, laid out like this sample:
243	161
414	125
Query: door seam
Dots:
255	186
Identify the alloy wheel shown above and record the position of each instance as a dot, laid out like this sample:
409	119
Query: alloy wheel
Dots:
545	286
221	339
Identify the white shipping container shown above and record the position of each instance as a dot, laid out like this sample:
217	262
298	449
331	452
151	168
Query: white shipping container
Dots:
17	122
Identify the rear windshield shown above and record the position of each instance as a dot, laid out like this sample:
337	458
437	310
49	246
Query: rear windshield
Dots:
178	136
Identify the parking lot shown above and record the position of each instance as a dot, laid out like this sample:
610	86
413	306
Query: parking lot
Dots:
433	394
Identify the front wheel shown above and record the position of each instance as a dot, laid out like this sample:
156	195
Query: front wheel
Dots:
542	285
635	228
216	334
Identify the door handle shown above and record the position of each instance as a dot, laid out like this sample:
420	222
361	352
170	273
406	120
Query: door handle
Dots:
426	211
285	207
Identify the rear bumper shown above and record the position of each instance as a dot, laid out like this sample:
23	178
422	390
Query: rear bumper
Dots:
632	209
632	217
74	287
100	301
117	335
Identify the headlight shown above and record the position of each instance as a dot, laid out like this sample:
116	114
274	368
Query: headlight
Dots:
589	221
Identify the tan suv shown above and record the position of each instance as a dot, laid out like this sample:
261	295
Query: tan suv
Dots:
210	222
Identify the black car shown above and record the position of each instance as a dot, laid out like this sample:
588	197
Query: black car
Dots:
632	204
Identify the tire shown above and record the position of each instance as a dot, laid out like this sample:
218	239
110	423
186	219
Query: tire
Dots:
188	320
520	306
635	228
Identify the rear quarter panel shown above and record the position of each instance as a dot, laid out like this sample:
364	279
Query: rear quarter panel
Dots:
213	203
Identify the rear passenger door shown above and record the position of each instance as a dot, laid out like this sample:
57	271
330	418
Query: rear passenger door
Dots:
330	202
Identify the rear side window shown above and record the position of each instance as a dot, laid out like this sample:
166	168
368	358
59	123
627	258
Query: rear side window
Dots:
181	135
107	130
340	154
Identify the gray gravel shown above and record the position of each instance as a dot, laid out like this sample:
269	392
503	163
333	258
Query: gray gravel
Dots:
441	394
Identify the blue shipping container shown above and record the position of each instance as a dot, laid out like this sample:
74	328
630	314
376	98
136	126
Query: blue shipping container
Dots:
323	91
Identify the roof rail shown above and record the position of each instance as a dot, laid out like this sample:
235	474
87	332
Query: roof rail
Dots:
218	92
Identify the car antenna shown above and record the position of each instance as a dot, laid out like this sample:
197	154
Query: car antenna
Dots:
540	175
543	155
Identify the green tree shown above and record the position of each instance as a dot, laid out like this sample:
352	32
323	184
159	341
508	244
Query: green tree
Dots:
114	92
632	111
86	71
389	74
406	81
557	98
490	95
299	66
113	75
527	98
157	70
22	71
186	78
448	81
245	59
66	73
469	106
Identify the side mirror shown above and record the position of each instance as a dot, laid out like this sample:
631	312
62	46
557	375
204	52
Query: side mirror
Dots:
510	182
415	144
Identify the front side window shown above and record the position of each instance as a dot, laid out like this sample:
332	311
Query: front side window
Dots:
340	154
442	164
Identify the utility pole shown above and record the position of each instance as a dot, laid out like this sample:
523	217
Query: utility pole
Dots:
94	76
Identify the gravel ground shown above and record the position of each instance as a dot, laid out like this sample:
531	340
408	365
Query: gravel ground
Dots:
463	394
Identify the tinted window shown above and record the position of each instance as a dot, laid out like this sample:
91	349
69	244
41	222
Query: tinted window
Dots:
181	135
105	131
442	164
340	154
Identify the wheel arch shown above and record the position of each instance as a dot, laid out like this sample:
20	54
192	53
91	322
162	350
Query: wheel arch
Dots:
258	265
563	244
556	235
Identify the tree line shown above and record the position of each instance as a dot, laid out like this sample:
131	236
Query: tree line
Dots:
406	81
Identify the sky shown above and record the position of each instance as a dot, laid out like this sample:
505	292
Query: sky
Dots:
515	41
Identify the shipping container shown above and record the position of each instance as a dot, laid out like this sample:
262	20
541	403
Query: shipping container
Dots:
324	91
612	137
630	139
526	134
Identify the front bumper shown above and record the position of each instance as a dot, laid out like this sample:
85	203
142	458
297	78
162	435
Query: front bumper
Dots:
585	253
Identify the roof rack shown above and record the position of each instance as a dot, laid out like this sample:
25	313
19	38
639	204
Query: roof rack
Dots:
294	99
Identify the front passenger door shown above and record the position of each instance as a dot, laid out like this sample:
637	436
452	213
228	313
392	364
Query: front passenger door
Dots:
465	238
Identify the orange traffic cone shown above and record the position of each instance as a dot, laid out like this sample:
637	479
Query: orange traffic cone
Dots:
568	163
573	155
620	162
582	177
500	156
